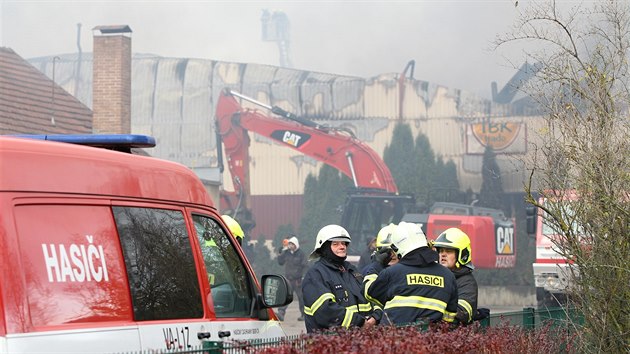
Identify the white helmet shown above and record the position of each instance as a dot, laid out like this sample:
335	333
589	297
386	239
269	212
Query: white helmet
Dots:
384	237
408	237
329	233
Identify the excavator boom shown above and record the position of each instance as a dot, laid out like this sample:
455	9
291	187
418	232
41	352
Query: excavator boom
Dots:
336	147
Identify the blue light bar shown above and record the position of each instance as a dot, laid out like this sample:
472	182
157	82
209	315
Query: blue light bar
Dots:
108	141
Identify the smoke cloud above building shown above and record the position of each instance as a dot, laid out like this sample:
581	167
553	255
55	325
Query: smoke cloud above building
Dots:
450	41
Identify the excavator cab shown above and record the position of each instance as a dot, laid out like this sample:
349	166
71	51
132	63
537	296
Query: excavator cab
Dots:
366	212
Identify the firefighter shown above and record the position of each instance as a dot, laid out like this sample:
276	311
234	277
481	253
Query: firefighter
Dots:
235	228
332	286
453	246
366	256
382	250
417	288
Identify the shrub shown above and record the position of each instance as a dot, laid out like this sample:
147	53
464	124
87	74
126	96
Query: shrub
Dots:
440	338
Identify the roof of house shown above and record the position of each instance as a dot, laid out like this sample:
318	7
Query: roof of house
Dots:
30	103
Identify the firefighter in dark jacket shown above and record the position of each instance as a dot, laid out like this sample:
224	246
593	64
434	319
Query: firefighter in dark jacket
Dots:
417	288
332	286
382	250
366	256
295	264
453	246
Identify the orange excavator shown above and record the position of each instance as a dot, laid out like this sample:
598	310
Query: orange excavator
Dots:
372	203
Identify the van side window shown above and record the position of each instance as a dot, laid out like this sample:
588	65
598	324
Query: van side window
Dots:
230	283
160	264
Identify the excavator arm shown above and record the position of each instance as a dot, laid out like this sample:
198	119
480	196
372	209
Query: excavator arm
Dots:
335	147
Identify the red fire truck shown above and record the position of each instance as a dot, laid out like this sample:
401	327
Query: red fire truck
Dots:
552	276
107	251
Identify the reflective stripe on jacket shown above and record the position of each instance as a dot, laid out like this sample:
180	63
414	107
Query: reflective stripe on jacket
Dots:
409	292
467	291
333	297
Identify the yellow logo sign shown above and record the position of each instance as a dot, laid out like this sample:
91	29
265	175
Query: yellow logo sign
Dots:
291	138
425	279
505	239
497	135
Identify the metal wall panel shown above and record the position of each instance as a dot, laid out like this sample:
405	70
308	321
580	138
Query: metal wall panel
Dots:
173	100
142	77
348	100
381	97
199	144
72	72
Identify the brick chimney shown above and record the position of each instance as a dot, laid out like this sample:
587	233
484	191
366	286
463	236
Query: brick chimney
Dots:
111	84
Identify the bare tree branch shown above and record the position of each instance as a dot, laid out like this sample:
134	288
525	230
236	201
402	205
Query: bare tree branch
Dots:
581	163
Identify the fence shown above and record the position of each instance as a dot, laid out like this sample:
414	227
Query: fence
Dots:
528	318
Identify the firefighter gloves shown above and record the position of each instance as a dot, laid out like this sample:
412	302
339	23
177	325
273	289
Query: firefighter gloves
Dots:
383	256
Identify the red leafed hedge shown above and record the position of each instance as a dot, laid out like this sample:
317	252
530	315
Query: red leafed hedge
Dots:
437	339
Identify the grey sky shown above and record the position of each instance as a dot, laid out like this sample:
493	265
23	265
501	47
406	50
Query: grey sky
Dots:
449	40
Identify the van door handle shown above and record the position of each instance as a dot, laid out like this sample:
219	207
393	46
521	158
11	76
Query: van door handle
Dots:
223	334
203	335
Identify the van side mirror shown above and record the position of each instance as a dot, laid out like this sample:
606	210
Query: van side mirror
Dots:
531	213
276	291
